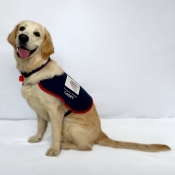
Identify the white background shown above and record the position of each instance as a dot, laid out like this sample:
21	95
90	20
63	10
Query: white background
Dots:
120	51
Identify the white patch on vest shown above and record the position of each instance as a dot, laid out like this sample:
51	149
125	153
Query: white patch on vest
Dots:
72	85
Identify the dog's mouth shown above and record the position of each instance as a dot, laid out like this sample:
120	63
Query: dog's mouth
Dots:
23	53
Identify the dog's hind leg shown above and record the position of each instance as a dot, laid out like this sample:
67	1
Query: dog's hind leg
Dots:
71	145
76	139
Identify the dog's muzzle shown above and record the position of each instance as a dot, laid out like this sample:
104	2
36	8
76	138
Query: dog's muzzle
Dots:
22	51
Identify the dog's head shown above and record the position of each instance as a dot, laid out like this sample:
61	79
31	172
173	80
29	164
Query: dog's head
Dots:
29	38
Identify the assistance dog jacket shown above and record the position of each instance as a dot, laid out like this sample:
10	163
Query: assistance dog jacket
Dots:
69	92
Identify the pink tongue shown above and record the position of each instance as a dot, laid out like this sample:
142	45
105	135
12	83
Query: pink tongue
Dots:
23	53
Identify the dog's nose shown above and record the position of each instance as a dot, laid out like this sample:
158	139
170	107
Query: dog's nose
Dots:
23	38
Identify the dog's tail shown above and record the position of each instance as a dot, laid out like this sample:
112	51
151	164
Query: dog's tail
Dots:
104	140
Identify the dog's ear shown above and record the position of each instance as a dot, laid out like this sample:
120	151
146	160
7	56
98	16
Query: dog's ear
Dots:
47	47
12	36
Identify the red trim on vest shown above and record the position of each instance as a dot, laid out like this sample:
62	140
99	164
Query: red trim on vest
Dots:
77	112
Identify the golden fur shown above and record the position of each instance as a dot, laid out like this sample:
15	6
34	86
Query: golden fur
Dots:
76	131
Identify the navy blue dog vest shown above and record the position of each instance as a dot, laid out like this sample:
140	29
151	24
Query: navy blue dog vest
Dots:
69	92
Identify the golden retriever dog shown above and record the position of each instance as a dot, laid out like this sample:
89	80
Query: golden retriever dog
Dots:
33	46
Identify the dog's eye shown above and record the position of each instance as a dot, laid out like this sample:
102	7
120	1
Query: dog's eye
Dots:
37	34
22	28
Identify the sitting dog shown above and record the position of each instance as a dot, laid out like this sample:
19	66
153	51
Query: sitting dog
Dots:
57	98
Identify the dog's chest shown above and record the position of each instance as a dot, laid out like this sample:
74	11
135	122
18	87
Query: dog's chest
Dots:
33	97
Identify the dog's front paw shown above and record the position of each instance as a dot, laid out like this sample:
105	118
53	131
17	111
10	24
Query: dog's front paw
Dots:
52	152
34	139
